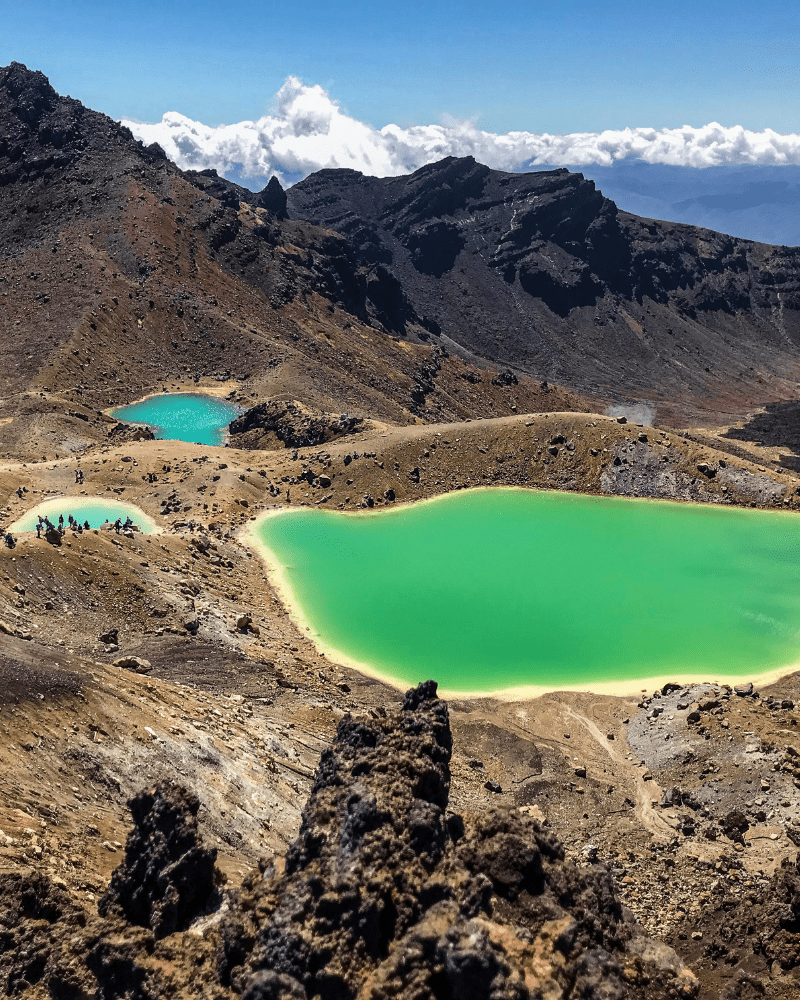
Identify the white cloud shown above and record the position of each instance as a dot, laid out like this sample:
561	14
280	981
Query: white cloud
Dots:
309	131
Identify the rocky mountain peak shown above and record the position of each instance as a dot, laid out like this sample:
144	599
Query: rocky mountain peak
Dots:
29	90
273	198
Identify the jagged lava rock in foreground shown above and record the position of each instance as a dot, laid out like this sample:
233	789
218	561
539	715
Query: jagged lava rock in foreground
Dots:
385	894
167	877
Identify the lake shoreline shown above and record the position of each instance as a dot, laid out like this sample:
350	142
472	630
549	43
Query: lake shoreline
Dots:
63	505
623	688
166	433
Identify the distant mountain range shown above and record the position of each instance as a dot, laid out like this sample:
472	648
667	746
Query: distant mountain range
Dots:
752	201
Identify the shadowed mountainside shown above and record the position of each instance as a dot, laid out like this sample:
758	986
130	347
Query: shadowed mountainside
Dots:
541	271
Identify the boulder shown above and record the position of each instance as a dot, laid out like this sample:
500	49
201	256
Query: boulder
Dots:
735	825
136	663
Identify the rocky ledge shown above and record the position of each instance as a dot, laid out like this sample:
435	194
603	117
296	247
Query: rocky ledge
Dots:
385	893
290	423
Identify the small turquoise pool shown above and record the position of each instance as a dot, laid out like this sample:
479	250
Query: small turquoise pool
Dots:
182	416
96	511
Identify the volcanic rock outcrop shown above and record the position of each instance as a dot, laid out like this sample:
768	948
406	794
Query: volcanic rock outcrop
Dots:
167	876
385	893
289	423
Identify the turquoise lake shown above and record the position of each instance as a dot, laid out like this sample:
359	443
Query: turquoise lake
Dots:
182	416
492	589
96	512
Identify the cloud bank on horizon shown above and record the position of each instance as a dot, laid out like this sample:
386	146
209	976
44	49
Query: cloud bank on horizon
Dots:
309	132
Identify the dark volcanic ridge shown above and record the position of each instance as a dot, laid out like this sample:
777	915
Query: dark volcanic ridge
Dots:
541	271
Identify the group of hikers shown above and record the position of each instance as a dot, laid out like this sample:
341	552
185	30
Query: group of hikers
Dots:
45	524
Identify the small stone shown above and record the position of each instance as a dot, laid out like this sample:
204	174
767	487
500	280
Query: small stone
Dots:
580	772
493	786
109	847
744	690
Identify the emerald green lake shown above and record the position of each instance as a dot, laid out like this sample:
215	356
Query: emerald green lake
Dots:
182	416
485	590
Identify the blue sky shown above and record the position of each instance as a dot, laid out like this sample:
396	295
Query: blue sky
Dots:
539	66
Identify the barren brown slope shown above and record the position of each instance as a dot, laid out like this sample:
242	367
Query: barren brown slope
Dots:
120	274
